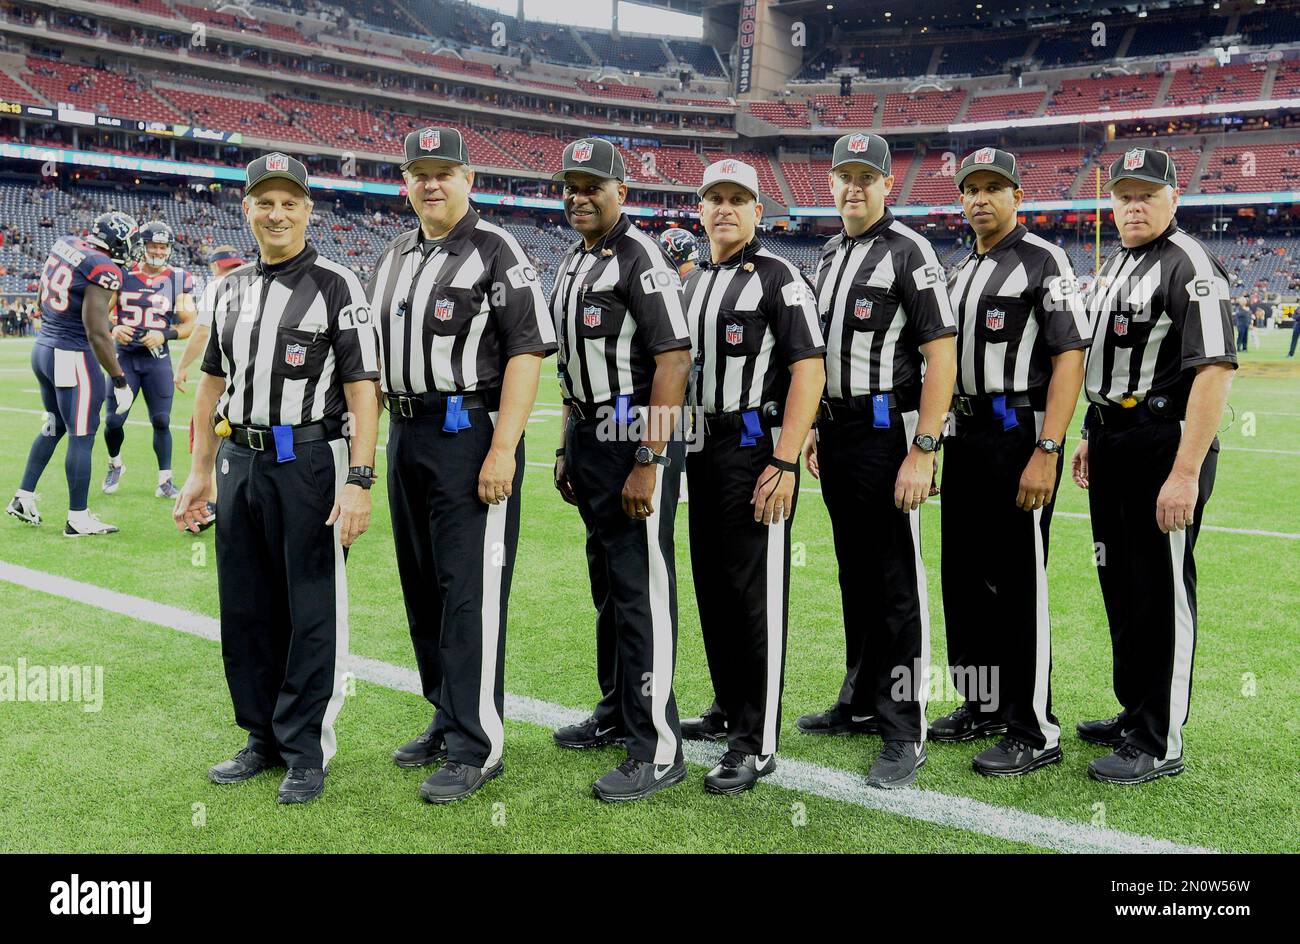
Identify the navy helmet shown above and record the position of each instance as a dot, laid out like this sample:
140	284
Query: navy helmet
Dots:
118	235
679	245
157	233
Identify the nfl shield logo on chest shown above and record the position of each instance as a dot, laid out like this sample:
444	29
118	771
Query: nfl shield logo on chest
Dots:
862	309
443	308
994	319
735	333
1121	324
295	355
591	316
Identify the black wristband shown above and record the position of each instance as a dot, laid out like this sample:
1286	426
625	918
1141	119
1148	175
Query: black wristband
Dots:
119	381
169	334
784	466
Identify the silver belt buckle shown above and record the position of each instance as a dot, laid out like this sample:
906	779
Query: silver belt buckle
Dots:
258	444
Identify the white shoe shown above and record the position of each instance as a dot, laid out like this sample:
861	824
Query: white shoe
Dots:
115	472
92	526
24	509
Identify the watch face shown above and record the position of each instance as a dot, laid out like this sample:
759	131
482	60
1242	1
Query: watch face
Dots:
643	455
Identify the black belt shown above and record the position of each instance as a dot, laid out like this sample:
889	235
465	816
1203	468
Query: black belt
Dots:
412	405
260	438
862	404
586	412
983	405
1146	411
720	424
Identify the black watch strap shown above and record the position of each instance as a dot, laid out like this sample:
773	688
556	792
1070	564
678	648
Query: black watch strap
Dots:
784	466
362	475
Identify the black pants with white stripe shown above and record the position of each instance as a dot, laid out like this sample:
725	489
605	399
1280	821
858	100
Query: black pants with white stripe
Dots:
995	576
634	587
455	559
882	577
284	596
1148	578
742	587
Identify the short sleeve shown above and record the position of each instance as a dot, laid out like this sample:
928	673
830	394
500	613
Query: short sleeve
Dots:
355	339
213	362
655	301
1200	307
1063	321
523	322
792	314
103	272
924	292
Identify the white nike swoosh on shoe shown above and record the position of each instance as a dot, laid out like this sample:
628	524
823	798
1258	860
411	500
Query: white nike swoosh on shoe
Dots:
859	719
761	760
600	733
660	774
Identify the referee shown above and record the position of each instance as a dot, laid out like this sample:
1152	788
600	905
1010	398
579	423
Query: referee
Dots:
624	361
760	376
1021	330
1157	377
463	329
885	309
290	361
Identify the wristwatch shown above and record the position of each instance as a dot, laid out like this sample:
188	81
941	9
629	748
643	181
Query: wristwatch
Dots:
362	475
1050	445
645	456
926	443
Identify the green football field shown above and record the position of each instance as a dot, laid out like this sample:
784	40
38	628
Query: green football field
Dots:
131	776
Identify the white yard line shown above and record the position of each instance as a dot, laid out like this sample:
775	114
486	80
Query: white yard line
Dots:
942	809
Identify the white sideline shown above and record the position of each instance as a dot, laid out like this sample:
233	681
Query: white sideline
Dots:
957	812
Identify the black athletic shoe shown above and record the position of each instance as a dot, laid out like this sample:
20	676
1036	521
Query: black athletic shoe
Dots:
1010	757
1107	733
897	764
455	781
738	772
635	779
301	784
966	725
1131	764
835	720
425	749
588	733
247	763
709	726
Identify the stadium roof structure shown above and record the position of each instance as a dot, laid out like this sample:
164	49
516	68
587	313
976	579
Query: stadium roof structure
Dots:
864	14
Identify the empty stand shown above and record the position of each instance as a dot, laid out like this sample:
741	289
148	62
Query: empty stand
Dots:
921	108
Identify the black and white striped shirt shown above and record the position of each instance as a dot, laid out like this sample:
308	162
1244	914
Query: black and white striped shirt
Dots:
881	296
751	317
1017	306
287	337
451	316
613	313
1157	311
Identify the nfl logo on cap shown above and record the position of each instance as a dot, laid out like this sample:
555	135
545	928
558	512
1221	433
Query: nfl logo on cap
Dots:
442	309
277	162
591	316
728	167
984	156
582	152
1134	158
295	355
994	319
862	309
430	139
857	143
735	333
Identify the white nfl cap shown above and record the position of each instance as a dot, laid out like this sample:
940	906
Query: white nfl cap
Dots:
730	170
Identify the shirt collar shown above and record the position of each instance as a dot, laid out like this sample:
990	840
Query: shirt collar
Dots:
1154	243
292	266
453	242
1002	245
875	229
615	233
750	249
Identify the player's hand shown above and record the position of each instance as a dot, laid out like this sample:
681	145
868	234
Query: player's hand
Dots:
639	492
912	486
153	340
562	483
122	334
1079	464
496	477
810	455
773	497
191	507
1176	504
181	379
1038	481
124	397
352	512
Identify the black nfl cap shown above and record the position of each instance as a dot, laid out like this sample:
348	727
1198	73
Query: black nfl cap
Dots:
444	144
990	159
1147	164
862	148
276	165
593	156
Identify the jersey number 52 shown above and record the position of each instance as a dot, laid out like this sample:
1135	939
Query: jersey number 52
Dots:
133	315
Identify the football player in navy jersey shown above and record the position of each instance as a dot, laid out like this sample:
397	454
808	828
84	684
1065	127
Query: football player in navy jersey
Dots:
79	286
155	305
